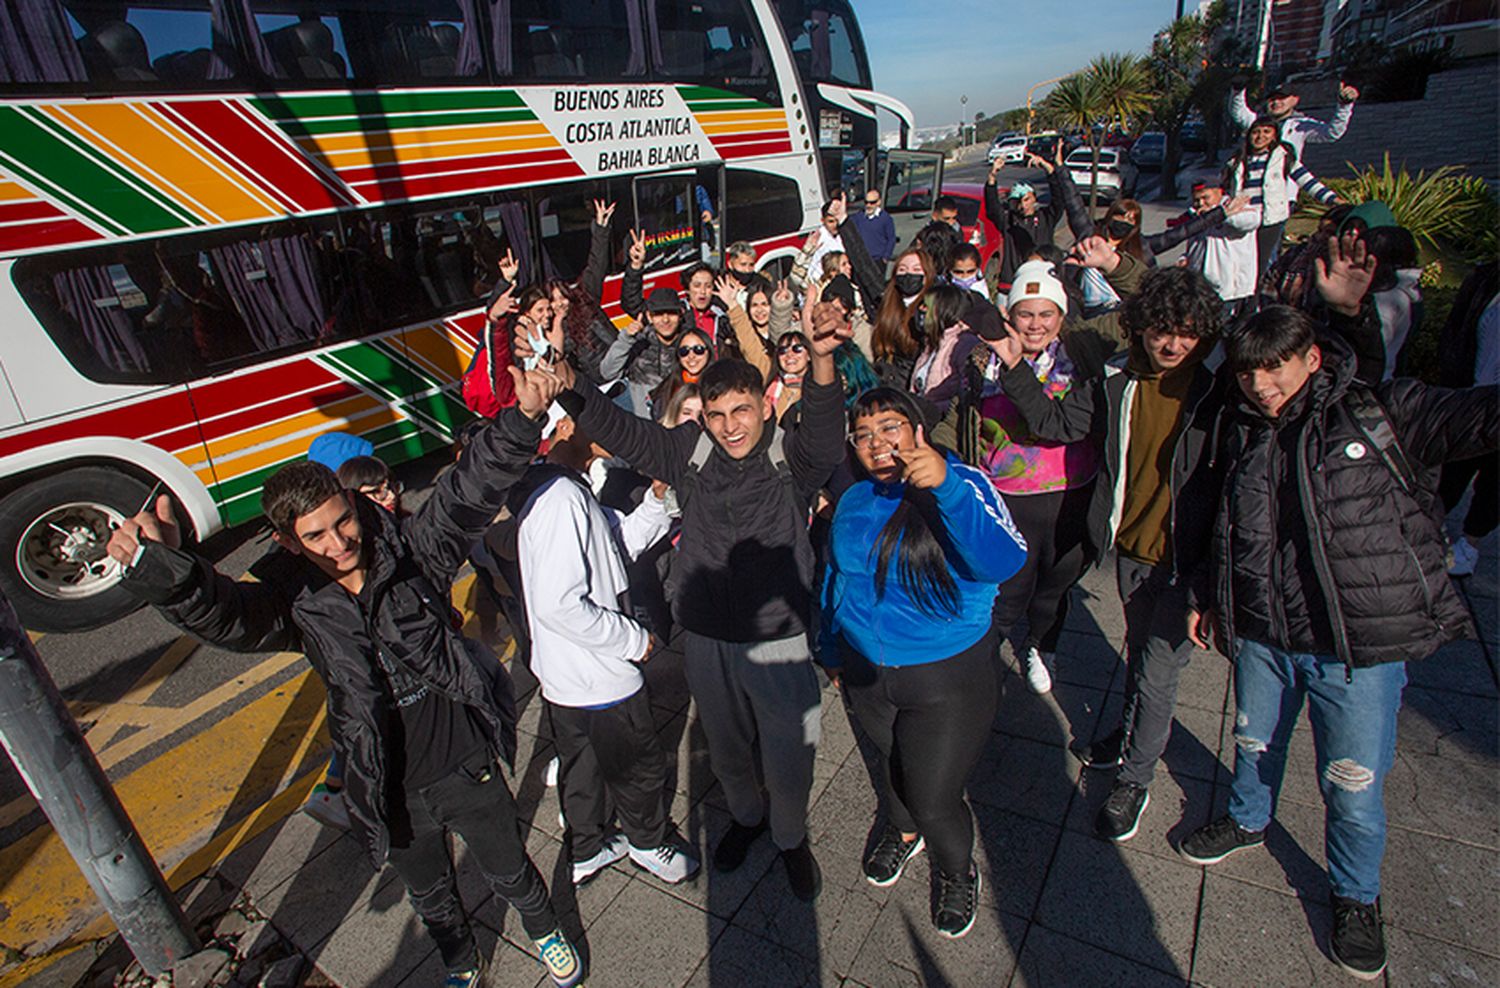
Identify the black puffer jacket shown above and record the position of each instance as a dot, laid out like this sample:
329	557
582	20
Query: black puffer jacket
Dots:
1318	545
403	610
744	568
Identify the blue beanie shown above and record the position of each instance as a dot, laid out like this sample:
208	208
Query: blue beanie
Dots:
332	449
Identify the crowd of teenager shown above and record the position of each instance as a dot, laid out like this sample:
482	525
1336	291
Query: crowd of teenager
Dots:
887	466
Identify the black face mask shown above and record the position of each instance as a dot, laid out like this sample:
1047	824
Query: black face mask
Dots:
909	284
1119	229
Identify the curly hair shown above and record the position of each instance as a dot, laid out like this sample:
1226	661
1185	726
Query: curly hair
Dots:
1176	300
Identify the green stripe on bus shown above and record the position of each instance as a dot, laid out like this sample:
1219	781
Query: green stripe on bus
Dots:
371	366
374	123
96	190
442	411
238	488
365	104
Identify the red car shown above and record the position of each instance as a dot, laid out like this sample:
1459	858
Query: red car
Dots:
914	211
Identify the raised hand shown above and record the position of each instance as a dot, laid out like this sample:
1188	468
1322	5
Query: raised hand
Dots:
783	293
1037	161
535	389
839	209
637	250
603	212
504	305
1008	347
922	467
830	328
1343	279
509	266
1348	93
1236	205
158	525
811	243
1096	252
728	290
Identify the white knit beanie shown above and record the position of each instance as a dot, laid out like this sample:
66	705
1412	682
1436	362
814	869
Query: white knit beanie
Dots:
1035	279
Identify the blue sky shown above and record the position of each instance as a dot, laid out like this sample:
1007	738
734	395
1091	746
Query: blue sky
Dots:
927	54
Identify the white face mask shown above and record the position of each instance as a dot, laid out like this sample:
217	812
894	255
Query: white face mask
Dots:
968	281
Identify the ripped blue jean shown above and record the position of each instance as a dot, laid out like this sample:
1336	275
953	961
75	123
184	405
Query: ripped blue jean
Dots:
1354	739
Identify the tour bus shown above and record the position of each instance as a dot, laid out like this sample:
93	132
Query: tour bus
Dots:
229	226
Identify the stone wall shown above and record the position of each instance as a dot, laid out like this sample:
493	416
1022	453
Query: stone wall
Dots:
1457	123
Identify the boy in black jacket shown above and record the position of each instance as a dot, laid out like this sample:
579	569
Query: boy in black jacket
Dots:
745	561
418	712
1328	577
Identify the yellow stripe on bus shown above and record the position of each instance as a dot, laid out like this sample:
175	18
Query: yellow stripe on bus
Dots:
333	143
226	448
222	188
768	118
10	191
439	352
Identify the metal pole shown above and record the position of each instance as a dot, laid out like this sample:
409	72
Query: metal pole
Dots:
48	749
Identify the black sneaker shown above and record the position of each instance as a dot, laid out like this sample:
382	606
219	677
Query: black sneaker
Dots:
1358	941
735	845
884	863
802	872
1120	816
1107	752
1217	841
956	902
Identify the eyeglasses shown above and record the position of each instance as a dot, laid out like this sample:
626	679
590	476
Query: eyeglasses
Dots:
890	432
386	488
791	348
873	202
694	348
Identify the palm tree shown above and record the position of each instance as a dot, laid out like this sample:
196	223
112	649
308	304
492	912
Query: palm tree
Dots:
1125	93
1076	102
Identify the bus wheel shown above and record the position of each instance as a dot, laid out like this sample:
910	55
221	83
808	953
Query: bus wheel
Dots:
53	566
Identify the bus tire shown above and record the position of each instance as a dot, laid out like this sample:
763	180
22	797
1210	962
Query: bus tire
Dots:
53	567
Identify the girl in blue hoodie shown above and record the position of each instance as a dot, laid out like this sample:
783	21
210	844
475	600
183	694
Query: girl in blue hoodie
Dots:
917	549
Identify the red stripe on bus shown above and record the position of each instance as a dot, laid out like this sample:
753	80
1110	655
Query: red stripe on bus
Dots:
273	411
401	172
131	421
406	188
50	234
274	166
224	395
33	209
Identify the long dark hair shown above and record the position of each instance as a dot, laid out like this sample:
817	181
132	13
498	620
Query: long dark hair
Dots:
895	333
914	534
1242	156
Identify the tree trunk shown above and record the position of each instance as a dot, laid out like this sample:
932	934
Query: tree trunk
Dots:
1094	176
1169	162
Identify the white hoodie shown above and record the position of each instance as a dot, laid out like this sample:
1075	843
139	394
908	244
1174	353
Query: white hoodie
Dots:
1395	306
572	550
1226	255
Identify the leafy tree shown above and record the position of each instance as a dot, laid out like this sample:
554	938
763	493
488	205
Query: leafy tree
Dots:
1185	67
1115	87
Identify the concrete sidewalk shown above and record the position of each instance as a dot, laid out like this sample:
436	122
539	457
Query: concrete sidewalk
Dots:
1059	906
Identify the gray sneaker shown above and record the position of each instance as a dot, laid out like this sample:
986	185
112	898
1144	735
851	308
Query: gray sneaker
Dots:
613	850
669	862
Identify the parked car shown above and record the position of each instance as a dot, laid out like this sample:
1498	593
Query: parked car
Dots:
1117	173
1149	150
913	211
1009	149
1194	136
1045	144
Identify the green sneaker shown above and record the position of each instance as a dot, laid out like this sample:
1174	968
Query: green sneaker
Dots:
560	959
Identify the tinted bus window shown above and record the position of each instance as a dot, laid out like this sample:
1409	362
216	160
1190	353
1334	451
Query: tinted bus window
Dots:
825	41
667	210
582	40
761	205
82	45
711	41
370	41
565	216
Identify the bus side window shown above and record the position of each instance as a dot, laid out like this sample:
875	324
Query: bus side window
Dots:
596	41
667	212
565	217
710	40
761	205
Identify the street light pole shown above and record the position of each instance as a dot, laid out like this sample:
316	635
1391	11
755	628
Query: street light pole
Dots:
963	101
1030	114
50	753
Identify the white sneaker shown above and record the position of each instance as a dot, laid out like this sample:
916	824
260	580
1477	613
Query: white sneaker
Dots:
327	807
669	862
1037	676
612	851
1462	557
549	777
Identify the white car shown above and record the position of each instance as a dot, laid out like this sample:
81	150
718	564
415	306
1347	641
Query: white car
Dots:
1117	173
1009	149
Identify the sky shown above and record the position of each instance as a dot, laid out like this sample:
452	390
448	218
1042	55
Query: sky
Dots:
928	54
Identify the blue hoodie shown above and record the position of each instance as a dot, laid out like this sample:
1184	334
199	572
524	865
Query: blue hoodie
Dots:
985	550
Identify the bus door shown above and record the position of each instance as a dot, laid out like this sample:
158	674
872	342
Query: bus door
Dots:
681	214
910	181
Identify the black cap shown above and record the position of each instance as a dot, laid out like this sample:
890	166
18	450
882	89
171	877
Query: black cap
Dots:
842	289
663	300
984	319
1278	92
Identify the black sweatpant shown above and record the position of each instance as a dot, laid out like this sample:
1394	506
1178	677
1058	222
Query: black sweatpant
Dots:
930	723
611	763
1157	649
1484	509
1267	244
1055	525
474	803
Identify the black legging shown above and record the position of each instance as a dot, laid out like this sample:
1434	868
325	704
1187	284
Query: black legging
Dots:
1055	525
930	723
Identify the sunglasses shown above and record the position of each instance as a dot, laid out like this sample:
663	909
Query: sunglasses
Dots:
693	348
386	488
873	202
791	348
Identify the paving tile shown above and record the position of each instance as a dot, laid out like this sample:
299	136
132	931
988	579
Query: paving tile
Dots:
688	768
742	959
1013	852
838	729
1287	939
1291	862
905	951
380	946
1177	808
1458	666
1140	905
1027	777
1050	959
1087	660
278	853
1418	960
509	966
1444	796
1061	717
1454	725
713	891
624	953
332	889
1205	683
829	933
1442	888
1193	746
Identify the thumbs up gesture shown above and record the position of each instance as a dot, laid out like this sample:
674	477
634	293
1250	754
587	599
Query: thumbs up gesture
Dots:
923	466
158	524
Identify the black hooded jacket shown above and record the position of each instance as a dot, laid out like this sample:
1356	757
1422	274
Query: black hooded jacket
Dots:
1320	544
403	611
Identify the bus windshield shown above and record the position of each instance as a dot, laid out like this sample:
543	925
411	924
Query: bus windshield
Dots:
825	41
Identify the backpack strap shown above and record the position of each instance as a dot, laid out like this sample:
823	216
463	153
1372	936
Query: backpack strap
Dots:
1370	416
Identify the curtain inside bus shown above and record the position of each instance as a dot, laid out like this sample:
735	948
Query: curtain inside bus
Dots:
95	301
275	287
36	43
